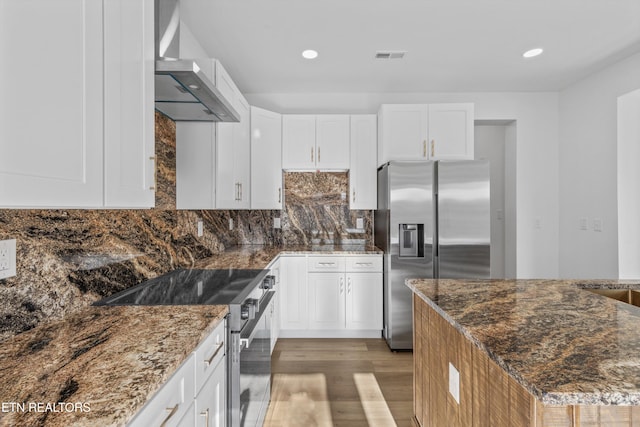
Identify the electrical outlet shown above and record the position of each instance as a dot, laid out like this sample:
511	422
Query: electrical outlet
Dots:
230	223
537	223
200	228
582	223
7	258
597	224
359	223
276	223
454	383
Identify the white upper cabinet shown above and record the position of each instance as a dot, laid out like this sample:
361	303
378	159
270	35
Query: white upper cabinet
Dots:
129	133
89	142
311	142
425	132
332	141
233	163
362	173
298	141
266	159
195	165
451	131
213	160
403	132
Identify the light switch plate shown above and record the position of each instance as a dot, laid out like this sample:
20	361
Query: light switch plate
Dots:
454	383
230	223
276	223
597	224
200	228
7	258
360	223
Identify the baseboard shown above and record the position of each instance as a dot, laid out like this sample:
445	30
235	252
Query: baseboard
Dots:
304	333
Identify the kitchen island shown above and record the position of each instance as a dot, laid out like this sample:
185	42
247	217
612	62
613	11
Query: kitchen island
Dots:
525	353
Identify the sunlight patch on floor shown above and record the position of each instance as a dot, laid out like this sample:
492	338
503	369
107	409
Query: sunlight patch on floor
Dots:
373	402
299	400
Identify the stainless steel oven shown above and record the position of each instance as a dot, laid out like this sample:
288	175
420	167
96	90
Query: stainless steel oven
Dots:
250	361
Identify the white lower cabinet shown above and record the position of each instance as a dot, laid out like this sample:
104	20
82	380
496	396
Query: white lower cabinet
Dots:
293	293
195	395
339	296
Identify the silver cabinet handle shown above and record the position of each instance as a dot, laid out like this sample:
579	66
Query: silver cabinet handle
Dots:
365	264
172	412
327	264
155	172
354	195
205	414
237	192
279	195
240	184
424	148
311	154
341	285
349	285
215	353
433	148
318	154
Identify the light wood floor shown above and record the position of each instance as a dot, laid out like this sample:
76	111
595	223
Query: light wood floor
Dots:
340	382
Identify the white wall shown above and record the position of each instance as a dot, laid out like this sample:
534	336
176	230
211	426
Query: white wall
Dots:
588	170
537	154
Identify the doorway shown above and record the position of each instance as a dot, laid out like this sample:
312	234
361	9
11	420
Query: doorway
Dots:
495	140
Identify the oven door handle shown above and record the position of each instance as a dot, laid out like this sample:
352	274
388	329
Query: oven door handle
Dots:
249	331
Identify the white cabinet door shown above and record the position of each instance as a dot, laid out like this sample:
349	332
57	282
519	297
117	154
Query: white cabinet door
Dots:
451	131
233	151
129	137
326	300
51	116
332	141
210	404
363	170
364	301
266	159
298	142
195	160
293	293
402	132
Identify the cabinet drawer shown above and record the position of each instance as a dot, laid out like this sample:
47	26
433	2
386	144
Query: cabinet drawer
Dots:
170	403
325	263
364	263
209	354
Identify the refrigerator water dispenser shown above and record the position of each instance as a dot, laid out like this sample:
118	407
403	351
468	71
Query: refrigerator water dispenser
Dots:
411	240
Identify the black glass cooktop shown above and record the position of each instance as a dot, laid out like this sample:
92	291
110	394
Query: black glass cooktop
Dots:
191	287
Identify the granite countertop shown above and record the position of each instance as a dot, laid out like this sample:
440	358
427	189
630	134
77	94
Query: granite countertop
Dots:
104	362
564	344
108	361
258	256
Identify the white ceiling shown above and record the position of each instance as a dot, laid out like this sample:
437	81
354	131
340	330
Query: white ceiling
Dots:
452	45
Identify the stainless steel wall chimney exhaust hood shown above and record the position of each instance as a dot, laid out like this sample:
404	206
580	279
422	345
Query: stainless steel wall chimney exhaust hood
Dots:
183	90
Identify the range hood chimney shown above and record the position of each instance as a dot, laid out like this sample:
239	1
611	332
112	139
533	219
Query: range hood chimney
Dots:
183	91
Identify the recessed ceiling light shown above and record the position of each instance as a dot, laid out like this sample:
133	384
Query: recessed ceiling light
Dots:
309	54
533	52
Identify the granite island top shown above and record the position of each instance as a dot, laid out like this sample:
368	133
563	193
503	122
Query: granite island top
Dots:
564	344
108	361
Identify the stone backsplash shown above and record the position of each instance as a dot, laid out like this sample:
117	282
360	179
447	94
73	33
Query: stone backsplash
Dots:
67	259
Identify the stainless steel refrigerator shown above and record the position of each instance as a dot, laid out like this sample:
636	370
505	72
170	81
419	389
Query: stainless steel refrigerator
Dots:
432	221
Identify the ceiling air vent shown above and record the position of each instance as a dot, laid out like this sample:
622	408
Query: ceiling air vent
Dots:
397	54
